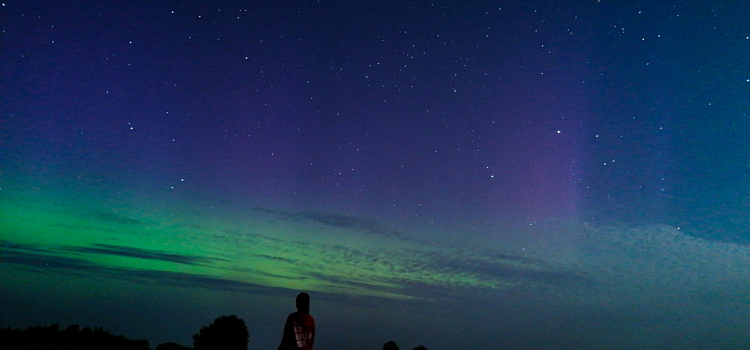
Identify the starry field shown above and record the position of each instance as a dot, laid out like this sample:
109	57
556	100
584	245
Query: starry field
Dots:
534	175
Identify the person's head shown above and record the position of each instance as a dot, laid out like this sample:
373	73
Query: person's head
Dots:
303	303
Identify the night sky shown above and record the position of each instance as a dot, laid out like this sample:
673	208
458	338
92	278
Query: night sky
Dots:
457	174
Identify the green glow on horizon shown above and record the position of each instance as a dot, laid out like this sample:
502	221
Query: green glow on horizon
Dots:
250	247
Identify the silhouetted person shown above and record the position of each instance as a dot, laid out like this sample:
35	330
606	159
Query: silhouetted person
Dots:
299	329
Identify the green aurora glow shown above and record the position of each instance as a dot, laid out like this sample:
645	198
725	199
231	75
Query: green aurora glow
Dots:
255	247
70	247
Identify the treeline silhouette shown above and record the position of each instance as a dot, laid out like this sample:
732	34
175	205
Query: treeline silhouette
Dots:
225	333
73	337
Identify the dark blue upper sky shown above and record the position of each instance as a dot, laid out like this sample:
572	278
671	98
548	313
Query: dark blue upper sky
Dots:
391	109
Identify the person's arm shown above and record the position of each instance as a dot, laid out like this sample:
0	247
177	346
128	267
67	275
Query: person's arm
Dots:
287	334
312	341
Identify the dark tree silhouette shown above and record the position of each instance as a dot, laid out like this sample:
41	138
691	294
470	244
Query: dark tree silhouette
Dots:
225	333
391	345
421	347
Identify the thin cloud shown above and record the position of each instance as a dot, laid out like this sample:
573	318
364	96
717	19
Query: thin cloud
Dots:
43	261
57	264
347	222
144	254
114	218
350	223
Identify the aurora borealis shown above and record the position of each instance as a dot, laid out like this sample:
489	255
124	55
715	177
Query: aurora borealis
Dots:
462	175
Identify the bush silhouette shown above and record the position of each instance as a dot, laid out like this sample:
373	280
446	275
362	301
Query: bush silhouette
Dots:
391	345
225	333
421	347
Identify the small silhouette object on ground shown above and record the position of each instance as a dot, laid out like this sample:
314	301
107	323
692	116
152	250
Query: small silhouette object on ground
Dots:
171	346
391	345
299	329
225	333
